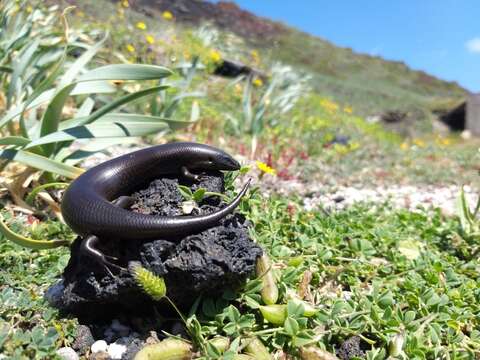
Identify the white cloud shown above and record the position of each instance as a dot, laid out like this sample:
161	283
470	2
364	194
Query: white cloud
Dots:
473	45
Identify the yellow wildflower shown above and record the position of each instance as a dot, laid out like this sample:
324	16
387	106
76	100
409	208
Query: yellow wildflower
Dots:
141	25
264	168
329	105
130	48
255	56
419	142
258	82
125	3
354	145
167	15
215	56
348	109
150	39
404	146
443	141
341	149
29	9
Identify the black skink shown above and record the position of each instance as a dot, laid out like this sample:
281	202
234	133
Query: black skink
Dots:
87	203
92	204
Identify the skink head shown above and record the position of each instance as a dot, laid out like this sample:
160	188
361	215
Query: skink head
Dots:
210	158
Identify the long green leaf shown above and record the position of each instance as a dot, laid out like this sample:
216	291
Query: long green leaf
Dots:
41	163
91	147
51	117
29	199
49	80
80	63
99	130
42	87
27	242
17	110
20	65
92	87
86	108
126	72
129	118
178	99
14	140
111	106
105	110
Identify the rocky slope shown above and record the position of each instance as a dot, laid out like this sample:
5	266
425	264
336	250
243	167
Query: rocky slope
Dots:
370	83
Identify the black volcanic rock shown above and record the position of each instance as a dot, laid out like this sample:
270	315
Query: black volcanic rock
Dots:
353	347
210	261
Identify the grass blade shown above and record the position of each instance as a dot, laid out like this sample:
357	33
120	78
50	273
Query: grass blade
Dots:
27	242
41	163
101	130
126	72
29	199
111	106
92	87
14	140
80	63
51	118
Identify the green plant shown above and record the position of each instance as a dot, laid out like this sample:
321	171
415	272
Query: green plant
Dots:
52	100
39	96
468	217
170	99
264	105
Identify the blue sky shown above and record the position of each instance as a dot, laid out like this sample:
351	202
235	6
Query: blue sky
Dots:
441	37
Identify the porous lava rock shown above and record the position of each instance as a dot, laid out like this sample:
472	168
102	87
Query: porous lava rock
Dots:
352	348
207	262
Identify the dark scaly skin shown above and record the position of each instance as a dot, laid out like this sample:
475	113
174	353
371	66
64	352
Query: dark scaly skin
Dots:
87	207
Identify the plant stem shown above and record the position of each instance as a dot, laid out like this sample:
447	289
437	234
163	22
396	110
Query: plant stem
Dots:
266	331
177	310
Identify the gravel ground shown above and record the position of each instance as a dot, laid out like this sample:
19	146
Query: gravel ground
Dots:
444	197
409	197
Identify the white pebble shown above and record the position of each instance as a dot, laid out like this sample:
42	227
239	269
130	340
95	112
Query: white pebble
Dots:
99	345
67	353
116	351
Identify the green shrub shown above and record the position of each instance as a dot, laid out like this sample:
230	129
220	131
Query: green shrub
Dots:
52	98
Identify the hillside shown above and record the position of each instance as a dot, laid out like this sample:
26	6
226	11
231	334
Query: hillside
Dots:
370	83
